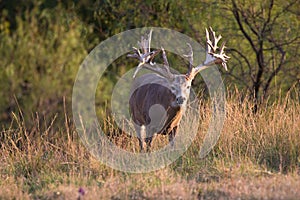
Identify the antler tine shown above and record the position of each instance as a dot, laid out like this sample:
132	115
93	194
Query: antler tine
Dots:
191	58
137	69
141	45
166	63
146	57
145	42
149	39
214	54
209	44
216	39
153	54
212	45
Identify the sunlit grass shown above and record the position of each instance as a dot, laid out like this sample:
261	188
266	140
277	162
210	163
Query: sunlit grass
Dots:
42	159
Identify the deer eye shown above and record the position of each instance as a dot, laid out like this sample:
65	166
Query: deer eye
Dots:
188	87
173	89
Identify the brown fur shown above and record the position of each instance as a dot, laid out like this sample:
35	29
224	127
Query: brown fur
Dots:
148	90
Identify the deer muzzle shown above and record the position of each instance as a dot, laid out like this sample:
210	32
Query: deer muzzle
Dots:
180	100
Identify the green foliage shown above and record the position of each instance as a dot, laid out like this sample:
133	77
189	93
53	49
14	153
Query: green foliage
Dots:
264	46
44	42
40	59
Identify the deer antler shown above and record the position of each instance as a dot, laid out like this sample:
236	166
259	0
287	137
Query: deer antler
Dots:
214	54
212	47
146	57
191	59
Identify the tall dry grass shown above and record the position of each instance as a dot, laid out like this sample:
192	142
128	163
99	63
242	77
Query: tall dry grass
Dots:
270	137
41	157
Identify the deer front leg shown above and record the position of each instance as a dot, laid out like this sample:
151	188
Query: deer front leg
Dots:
172	135
140	133
148	143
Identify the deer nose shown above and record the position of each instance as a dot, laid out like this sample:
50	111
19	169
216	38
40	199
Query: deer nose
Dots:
180	100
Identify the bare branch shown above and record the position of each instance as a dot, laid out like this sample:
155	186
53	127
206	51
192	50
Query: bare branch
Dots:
269	14
276	45
249	24
236	15
240	79
241	55
286	8
278	68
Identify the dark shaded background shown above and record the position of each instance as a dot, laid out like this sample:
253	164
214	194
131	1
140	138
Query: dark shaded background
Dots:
44	42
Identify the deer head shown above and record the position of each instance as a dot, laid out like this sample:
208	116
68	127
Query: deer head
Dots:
179	84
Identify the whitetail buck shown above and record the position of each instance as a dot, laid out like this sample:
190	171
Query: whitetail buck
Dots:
164	89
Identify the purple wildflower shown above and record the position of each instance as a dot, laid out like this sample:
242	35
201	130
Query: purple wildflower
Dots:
81	191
